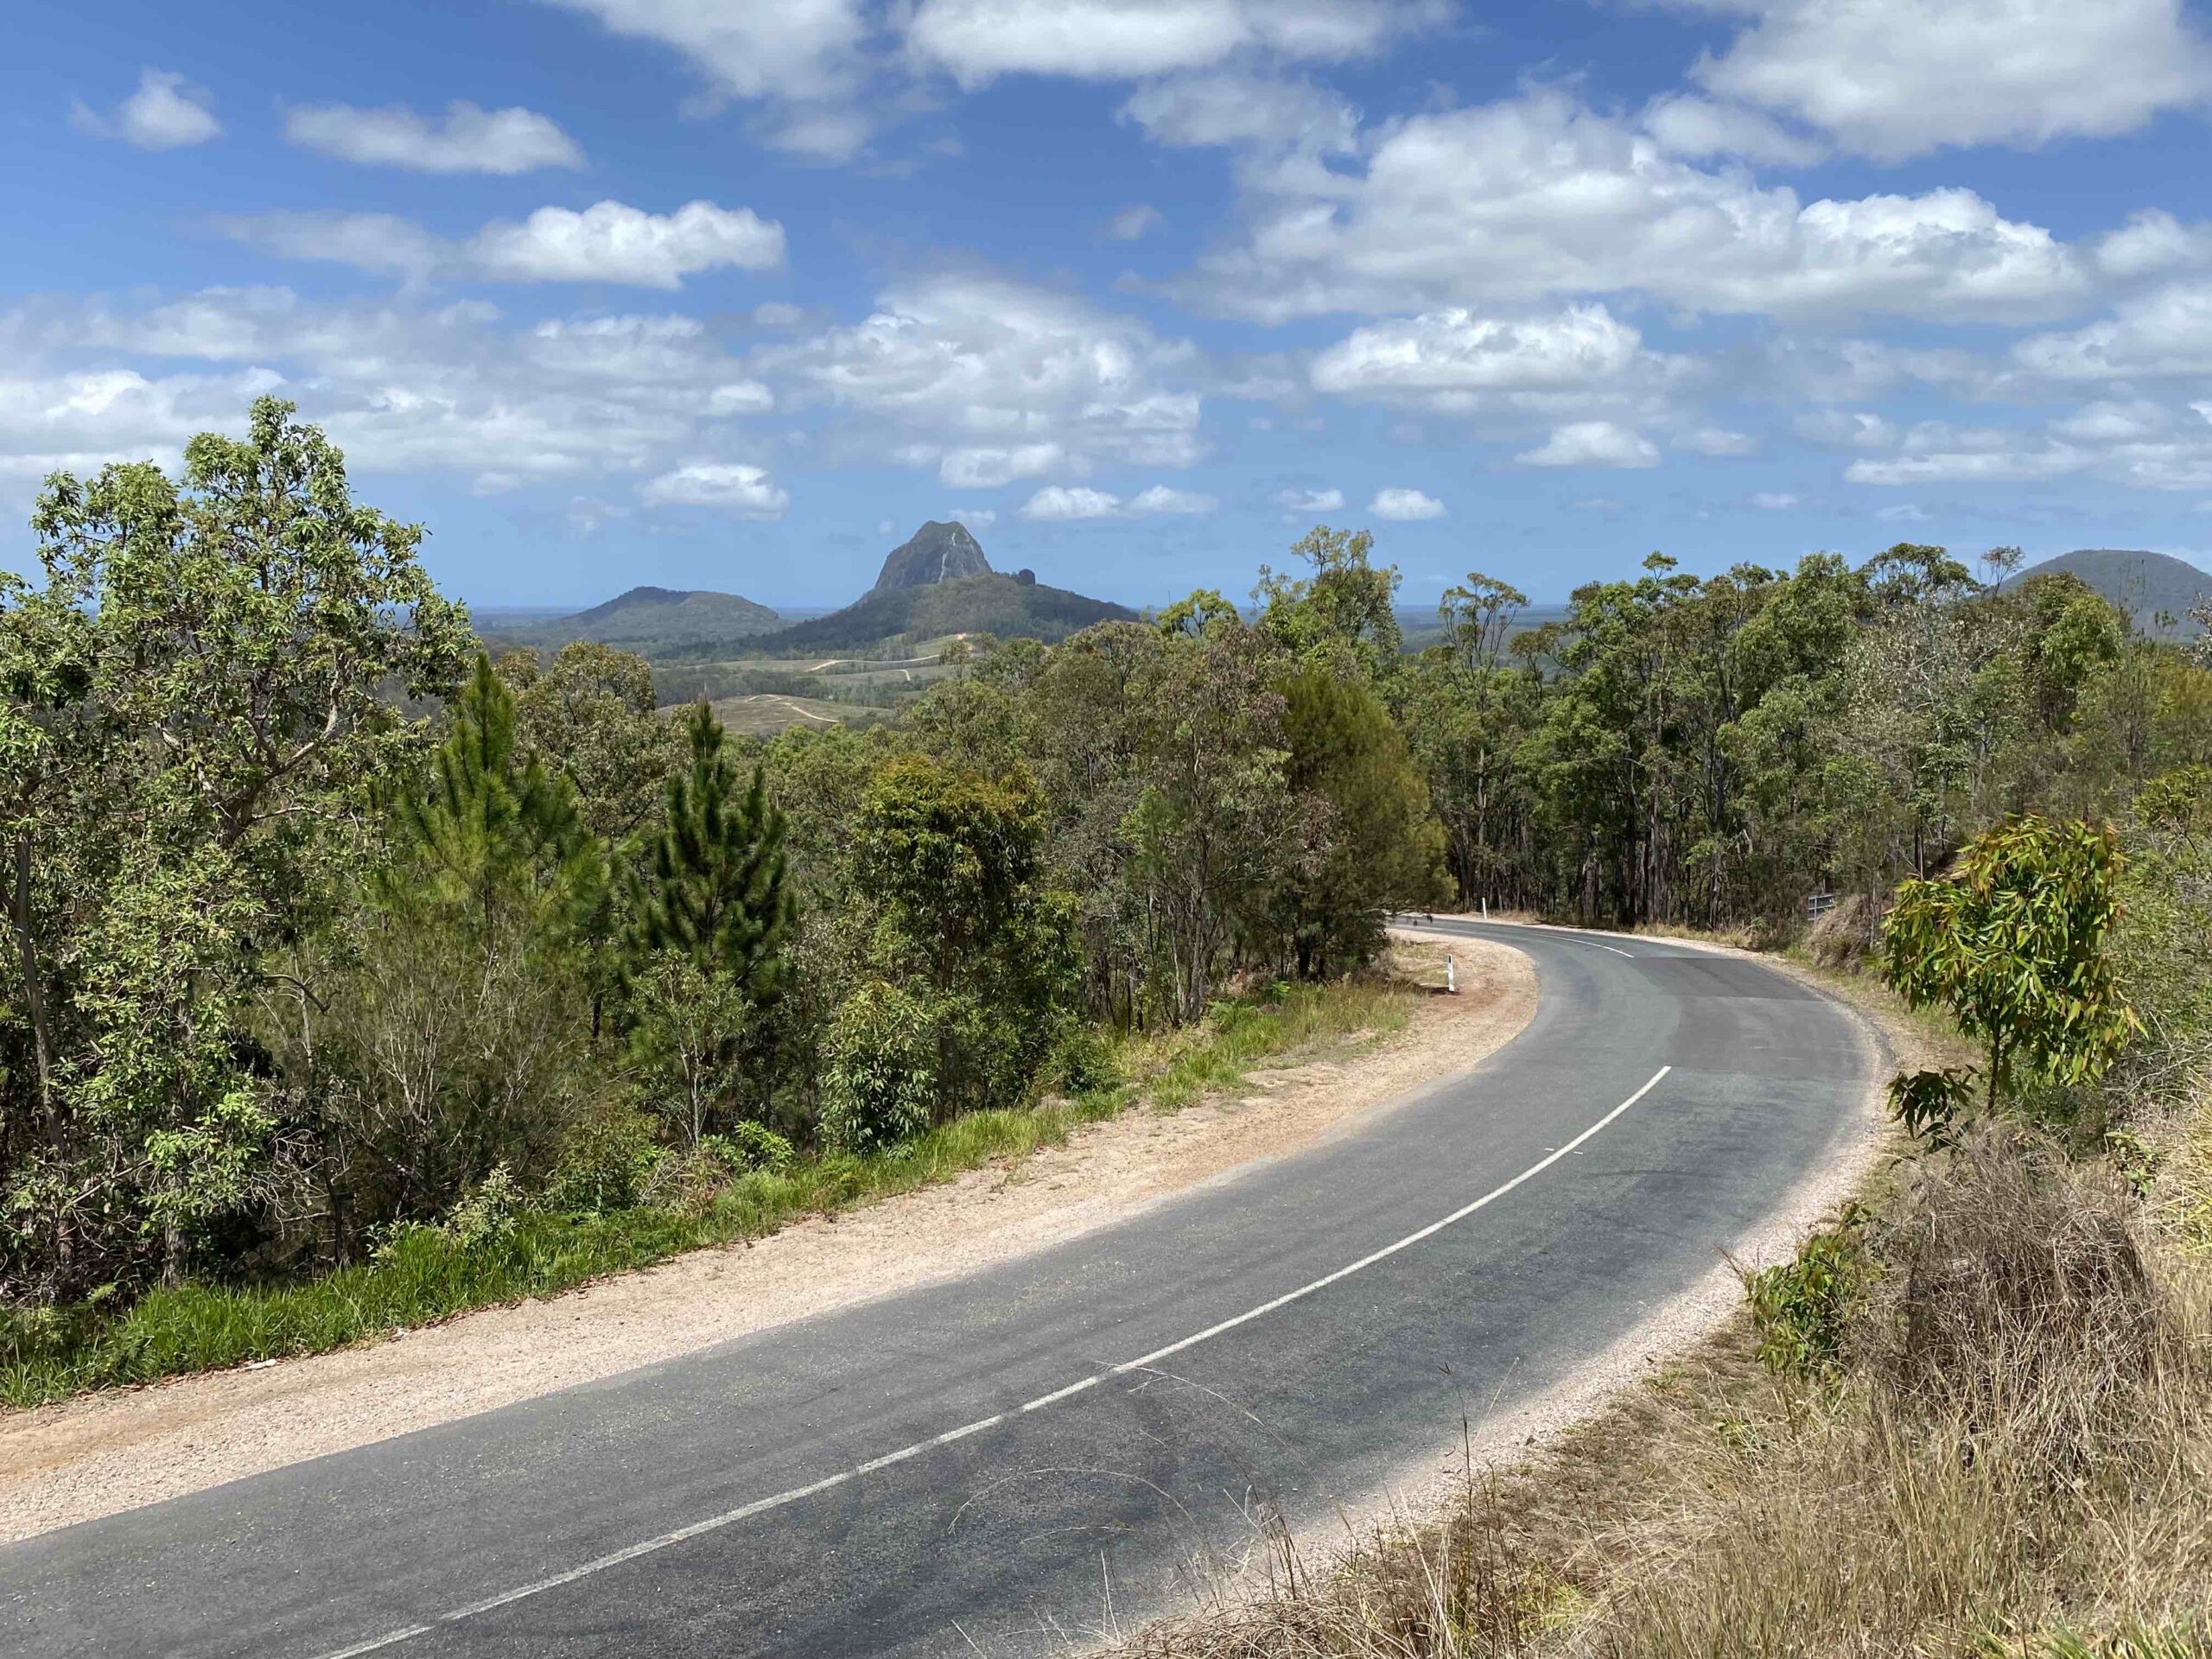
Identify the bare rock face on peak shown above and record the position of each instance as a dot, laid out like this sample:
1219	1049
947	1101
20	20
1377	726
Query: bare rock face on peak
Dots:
938	553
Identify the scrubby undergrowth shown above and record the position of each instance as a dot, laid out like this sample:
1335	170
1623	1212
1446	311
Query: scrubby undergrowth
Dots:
501	1246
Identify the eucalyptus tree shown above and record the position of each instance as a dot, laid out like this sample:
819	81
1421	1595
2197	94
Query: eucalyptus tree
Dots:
201	697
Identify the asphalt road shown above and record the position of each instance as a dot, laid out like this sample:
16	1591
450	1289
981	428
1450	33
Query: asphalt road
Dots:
1022	1457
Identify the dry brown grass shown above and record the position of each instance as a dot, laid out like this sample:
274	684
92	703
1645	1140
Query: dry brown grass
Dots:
2016	1459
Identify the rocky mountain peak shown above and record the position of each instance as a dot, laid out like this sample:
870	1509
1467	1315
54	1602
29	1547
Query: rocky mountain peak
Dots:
937	552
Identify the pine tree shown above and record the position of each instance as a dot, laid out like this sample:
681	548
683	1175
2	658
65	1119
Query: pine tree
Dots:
717	887
498	827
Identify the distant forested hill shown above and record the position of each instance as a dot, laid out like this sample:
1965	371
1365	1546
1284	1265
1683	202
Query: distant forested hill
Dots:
1006	606
2141	583
655	622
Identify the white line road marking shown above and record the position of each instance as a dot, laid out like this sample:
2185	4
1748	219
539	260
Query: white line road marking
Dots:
761	1506
1543	927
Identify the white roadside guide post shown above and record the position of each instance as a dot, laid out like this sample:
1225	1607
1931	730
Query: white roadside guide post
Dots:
1451	977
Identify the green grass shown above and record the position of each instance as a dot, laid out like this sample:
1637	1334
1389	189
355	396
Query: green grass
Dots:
426	1275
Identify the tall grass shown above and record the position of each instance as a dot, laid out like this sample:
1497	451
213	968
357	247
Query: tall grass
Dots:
426	1274
2015	1458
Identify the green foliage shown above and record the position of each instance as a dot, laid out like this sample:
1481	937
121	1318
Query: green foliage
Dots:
1801	1308
689	1032
1929	1104
970	945
494	831
882	1084
1465	713
1340	619
606	1163
591	714
751	1146
1371	845
195	695
489	1216
1082	1062
2013	946
740	1187
438	1033
715	890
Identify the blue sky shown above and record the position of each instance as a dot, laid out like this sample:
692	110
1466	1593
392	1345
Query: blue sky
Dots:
734	296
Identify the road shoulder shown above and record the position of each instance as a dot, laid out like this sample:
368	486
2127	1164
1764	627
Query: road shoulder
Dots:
109	1453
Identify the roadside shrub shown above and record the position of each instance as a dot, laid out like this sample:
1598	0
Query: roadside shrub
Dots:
751	1145
1929	1104
31	1336
1802	1308
1082	1064
488	1214
880	1083
689	1181
605	1165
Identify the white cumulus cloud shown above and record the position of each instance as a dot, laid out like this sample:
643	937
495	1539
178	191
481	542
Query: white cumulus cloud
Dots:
730	486
612	242
2156	335
1697	128
1060	503
1456	351
991	380
977	41
986	466
608	242
466	139
804	60
1063	503
1405	506
1539	196
1162	499
1228	108
166	112
1896	78
1592	443
1301	501
401	386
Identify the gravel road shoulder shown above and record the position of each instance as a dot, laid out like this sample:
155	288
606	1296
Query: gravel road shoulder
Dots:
76	1461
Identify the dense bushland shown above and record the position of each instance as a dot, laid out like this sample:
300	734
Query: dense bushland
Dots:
334	947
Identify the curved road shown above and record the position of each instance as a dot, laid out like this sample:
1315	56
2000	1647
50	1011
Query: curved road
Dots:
1024	1456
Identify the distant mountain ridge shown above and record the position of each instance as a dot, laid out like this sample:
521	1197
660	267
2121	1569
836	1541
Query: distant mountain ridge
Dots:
935	583
655	620
2140	583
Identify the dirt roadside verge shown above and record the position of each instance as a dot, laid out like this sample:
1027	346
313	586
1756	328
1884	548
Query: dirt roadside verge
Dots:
76	1461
